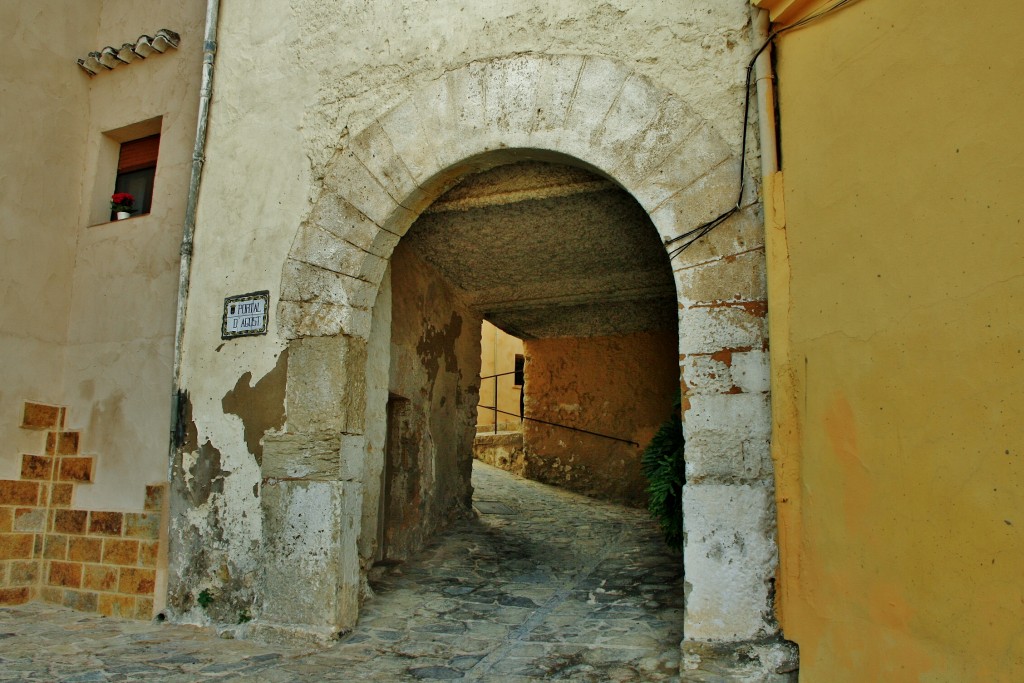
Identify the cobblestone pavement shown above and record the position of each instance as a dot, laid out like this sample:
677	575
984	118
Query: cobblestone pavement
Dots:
542	585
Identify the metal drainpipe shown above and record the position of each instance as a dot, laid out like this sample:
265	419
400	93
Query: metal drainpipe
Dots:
188	231
765	95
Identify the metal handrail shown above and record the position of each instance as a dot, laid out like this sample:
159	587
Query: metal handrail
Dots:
556	424
495	409
536	419
500	374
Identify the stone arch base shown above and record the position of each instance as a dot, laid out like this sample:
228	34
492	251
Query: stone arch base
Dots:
608	118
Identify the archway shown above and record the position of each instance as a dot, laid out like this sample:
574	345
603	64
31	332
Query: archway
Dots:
680	171
569	263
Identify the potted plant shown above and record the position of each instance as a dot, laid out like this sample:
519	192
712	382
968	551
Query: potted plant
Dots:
121	204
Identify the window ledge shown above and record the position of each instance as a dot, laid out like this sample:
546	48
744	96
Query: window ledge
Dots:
122	220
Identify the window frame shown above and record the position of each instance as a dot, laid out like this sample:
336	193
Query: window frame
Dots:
106	155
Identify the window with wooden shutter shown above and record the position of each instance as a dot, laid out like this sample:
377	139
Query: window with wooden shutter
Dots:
136	171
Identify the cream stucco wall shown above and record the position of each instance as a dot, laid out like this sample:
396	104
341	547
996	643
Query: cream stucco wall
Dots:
125	285
43	124
896	279
88	306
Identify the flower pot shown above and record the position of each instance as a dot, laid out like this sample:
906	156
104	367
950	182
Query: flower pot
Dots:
121	215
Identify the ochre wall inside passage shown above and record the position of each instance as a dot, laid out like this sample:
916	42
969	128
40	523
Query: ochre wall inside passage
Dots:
896	325
621	386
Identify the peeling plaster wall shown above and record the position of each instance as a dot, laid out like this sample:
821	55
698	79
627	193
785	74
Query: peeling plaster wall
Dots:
242	236
897	364
330	131
435	365
621	386
378	379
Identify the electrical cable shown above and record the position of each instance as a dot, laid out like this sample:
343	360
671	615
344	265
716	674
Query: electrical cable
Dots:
691	236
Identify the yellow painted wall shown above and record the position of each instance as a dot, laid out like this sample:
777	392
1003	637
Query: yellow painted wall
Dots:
498	351
897	331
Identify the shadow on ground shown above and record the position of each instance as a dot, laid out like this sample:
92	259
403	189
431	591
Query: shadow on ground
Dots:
541	585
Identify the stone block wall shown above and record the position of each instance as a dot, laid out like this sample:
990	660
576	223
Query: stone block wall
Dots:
90	560
504	450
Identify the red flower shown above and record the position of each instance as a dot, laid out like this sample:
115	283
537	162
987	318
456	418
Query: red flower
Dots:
122	199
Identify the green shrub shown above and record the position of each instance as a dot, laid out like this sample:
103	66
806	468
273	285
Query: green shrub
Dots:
663	465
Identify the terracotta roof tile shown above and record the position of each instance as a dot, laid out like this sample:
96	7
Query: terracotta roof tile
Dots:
110	57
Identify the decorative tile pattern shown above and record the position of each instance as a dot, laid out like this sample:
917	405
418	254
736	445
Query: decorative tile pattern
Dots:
93	561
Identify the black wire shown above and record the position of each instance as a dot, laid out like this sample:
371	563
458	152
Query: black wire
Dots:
695	234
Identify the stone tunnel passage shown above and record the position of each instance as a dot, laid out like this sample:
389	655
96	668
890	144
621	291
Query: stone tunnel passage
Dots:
543	584
570	262
567	261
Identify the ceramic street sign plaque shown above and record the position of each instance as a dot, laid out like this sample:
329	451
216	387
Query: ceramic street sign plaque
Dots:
245	315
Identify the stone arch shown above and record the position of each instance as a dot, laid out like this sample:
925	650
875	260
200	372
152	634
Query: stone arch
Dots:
675	164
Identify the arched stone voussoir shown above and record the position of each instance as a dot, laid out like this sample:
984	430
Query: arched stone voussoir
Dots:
510	91
326	250
335	214
445	122
590	108
373	148
705	199
701	154
310	283
729	281
740	233
642	153
348	176
597	89
556	90
320	303
299	319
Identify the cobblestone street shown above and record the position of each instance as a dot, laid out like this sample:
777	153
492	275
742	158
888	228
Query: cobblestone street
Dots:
542	585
